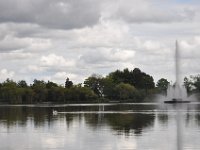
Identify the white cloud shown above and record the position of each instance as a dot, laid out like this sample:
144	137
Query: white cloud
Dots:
107	55
83	39
17	55
4	74
36	69
143	11
53	60
63	76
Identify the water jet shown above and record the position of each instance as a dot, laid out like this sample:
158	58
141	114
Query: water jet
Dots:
177	93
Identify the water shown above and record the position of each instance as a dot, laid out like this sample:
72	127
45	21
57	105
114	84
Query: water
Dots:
177	91
147	126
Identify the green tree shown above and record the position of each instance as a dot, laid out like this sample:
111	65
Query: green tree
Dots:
68	83
40	91
95	83
78	94
56	94
22	84
10	93
162	84
50	84
108	88
125	91
136	77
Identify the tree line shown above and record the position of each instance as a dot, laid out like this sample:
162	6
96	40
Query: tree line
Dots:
126	85
118	85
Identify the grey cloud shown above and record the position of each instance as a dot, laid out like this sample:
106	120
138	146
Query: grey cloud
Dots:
106	56
10	43
150	11
38	28
50	13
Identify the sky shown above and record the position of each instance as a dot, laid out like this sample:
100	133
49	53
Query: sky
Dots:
56	39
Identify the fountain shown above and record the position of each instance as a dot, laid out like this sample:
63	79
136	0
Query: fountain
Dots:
177	93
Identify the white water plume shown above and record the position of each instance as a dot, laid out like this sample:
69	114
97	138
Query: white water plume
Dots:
177	91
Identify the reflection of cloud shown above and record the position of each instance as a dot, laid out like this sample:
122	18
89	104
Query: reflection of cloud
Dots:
128	143
52	142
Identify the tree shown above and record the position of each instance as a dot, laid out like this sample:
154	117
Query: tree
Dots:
22	84
27	95
136	77
68	83
50	84
56	94
78	93
196	82
162	84
125	91
9	83
40	91
10	93
188	84
108	88
94	82
142	80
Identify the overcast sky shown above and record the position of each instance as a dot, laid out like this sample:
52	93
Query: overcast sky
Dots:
55	39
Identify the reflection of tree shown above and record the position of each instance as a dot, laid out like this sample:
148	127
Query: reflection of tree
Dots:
122	122
13	115
95	120
10	116
163	118
42	116
69	119
197	118
128	122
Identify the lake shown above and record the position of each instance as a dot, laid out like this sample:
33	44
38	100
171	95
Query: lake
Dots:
141	126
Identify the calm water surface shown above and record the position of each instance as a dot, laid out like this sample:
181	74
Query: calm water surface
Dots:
147	126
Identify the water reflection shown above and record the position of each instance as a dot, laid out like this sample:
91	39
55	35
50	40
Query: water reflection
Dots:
141	124
40	116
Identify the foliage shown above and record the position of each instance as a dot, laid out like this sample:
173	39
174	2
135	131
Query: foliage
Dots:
162	84
119	85
68	83
188	84
192	83
95	82
125	91
136	77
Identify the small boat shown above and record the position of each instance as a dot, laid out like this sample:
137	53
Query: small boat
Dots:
176	100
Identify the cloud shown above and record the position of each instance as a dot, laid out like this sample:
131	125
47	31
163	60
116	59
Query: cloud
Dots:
52	14
9	43
154	11
16	55
4	74
35	69
189	49
48	39
107	56
53	60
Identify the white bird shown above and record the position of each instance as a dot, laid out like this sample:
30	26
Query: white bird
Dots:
55	112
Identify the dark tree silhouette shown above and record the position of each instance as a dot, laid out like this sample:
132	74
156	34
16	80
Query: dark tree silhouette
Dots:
68	83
